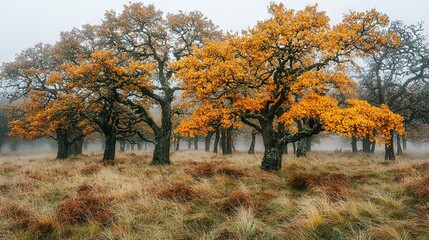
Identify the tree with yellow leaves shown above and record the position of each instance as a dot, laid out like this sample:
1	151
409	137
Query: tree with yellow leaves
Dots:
260	75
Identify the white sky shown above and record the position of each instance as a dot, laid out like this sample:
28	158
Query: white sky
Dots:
24	23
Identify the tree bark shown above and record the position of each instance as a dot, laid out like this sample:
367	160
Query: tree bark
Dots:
285	149
161	153
366	145
273	150
216	141
398	145
78	146
389	151
110	149
252	143
63	150
189	143
354	145
302	148
121	146
207	141
229	143
372	147
177	143
196	142
223	141
404	143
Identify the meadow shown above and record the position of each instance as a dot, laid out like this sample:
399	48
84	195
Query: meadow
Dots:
207	196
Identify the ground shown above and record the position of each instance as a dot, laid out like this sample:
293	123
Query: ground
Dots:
206	196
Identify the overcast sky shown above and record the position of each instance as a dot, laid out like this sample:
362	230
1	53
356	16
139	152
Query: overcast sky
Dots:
24	23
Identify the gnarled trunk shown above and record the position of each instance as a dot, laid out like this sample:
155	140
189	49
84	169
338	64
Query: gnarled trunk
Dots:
273	149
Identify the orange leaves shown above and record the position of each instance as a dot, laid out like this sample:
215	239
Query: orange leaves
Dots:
359	120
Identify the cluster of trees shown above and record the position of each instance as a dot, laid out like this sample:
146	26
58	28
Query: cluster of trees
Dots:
140	75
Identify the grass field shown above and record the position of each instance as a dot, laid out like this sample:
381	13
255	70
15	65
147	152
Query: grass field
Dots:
207	196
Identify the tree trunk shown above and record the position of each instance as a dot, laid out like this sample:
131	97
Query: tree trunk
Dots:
121	146
294	148
229	143
78	146
252	143
207	141
398	145
161	153
63	145
309	144
110	149
223	141
285	150
139	146
354	145
389	151
273	150
196	142
302	148
404	143
366	145
177	143
189	143
372	147
216	141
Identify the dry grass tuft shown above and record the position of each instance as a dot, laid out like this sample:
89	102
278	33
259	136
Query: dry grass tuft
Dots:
202	170
303	181
230	172
237	199
419	189
85	207
19	216
44	227
178	191
90	169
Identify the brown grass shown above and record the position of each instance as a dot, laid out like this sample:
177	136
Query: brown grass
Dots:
178	191
85	207
322	196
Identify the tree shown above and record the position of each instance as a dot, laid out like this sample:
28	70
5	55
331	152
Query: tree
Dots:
397	76
260	74
358	119
4	128
43	106
103	82
149	37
